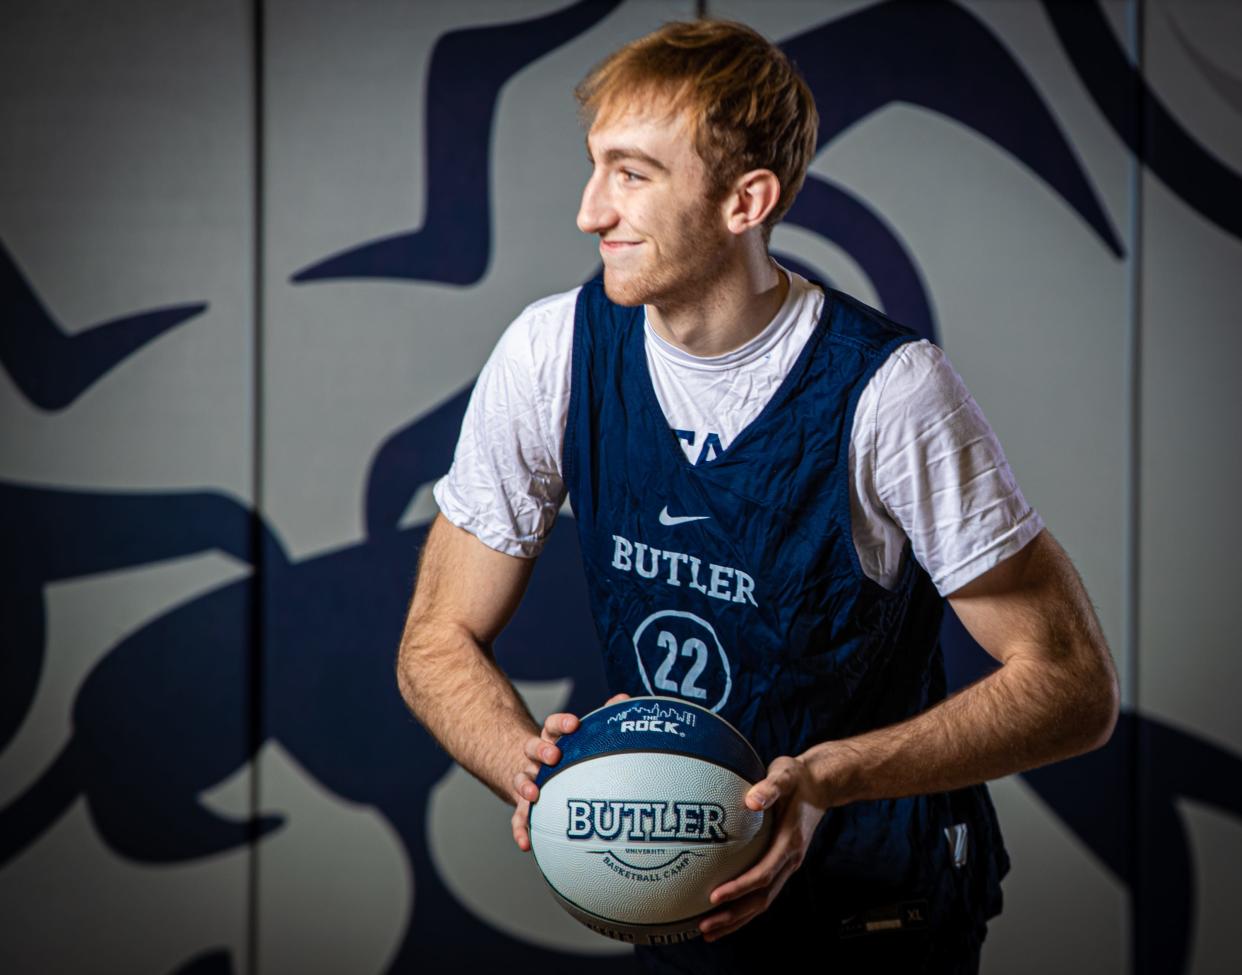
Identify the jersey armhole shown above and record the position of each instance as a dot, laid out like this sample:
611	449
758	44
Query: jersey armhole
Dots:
569	443
842	504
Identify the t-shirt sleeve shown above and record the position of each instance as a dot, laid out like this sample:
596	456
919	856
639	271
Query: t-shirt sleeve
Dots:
505	485
940	472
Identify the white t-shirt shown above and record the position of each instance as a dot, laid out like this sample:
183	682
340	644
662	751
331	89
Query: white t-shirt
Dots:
923	463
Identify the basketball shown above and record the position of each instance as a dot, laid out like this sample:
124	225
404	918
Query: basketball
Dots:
644	816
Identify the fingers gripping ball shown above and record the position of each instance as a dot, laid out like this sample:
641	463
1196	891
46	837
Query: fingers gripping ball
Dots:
645	815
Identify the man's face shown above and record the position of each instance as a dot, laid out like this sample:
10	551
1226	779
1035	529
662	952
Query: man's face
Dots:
661	236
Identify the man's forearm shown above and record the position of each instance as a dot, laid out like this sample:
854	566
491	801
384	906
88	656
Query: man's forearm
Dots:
1021	716
455	688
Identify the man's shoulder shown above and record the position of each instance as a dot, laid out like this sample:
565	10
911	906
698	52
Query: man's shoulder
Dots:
556	306
858	322
916	369
543	326
537	345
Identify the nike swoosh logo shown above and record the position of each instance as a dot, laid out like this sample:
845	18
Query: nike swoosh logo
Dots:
667	519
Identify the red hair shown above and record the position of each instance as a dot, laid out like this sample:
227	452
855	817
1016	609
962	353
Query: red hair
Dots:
747	105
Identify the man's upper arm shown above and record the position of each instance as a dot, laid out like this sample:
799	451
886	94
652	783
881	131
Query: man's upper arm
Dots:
466	585
1032	610
1034	604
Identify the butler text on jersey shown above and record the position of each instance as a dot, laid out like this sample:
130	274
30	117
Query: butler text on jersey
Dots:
723	582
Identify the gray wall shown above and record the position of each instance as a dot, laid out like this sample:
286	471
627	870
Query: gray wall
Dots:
253	254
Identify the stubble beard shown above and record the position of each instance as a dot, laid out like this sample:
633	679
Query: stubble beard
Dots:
694	262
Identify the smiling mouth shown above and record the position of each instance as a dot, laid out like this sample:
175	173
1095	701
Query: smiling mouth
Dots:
617	245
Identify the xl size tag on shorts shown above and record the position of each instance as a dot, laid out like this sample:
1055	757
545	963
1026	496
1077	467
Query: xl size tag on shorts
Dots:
903	916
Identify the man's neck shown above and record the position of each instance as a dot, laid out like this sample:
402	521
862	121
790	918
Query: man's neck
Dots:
728	314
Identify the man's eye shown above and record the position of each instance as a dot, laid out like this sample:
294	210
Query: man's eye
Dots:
629	176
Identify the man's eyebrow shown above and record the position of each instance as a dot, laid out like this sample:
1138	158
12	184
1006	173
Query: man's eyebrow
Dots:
620	153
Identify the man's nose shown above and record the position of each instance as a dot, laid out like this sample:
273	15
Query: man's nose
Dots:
596	214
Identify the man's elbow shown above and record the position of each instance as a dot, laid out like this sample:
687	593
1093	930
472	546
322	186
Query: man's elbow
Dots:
1101	707
411	659
404	668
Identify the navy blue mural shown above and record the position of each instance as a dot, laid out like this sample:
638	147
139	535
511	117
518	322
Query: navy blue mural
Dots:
51	368
934	55
166	714
301	652
468	68
1140	119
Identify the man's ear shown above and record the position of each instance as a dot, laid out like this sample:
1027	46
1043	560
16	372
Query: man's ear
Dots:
753	197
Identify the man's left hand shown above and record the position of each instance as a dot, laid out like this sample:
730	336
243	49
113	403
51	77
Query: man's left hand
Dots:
791	793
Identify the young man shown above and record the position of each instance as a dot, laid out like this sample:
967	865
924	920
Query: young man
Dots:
787	484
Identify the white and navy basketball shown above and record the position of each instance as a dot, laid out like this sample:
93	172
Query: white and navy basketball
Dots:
644	816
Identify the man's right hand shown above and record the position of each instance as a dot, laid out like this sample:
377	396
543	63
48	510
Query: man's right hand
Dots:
540	751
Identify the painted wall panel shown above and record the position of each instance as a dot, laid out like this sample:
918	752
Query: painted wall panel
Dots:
1191	341
1191	802
126	252
1020	251
424	163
